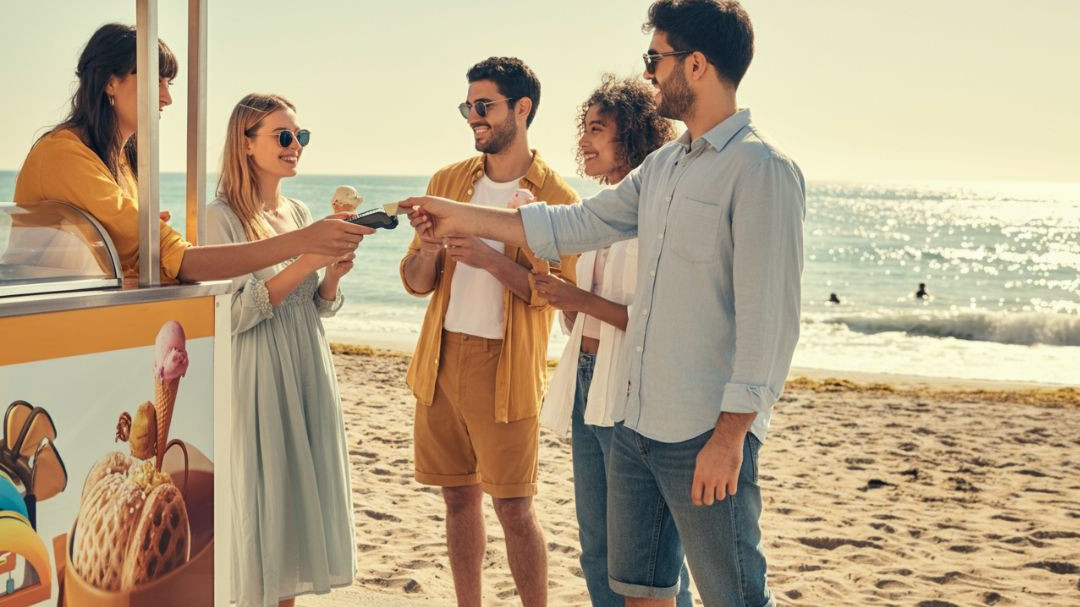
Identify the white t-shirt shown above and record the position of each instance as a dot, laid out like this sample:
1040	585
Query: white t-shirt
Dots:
476	297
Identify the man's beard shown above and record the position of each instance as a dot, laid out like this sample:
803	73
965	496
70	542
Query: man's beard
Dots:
501	136
676	98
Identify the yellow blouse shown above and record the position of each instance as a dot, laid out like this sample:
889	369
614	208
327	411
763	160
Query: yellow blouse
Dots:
61	167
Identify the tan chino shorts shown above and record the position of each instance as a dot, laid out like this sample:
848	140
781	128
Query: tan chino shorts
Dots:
457	441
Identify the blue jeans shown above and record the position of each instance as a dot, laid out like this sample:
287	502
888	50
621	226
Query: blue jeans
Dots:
651	520
591	445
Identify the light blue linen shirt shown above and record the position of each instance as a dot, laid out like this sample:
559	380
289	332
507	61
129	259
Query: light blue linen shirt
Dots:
715	319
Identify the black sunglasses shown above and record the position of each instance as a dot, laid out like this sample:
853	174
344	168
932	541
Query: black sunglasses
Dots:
481	107
285	138
652	59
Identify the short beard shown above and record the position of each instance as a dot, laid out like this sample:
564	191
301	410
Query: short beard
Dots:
501	136
676	97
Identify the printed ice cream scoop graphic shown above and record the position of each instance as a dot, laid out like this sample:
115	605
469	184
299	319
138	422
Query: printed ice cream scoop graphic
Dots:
134	533
346	200
170	365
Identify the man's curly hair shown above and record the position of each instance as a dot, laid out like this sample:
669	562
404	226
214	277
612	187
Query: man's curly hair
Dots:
639	130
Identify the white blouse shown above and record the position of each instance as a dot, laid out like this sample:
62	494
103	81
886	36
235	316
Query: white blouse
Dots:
619	284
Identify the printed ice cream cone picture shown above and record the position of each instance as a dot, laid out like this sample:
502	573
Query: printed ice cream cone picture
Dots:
170	365
134	532
346	200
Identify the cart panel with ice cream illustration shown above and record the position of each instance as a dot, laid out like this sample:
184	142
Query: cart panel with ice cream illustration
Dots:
107	451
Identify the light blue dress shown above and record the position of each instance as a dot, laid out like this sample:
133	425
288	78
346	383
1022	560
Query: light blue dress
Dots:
292	519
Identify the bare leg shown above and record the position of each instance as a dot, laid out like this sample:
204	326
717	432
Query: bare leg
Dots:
525	548
465	540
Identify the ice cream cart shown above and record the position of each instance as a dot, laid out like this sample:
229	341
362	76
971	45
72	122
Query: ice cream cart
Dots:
114	487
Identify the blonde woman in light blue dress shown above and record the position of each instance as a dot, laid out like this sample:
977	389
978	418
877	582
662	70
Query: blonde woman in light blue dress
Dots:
292	517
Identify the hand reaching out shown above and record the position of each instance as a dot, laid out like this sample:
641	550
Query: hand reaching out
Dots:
433	215
333	237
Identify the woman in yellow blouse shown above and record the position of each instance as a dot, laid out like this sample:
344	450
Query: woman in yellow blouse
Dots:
89	160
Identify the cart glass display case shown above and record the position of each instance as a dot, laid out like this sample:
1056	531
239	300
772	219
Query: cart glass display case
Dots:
51	247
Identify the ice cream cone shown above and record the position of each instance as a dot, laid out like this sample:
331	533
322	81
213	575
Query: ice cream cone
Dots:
170	364
164	402
346	200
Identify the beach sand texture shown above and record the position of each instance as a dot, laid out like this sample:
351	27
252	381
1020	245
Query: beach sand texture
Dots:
874	495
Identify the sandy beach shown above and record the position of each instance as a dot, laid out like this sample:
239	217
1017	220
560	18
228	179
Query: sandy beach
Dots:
906	492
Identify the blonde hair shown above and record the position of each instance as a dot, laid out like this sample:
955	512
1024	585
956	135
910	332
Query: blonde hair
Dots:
238	184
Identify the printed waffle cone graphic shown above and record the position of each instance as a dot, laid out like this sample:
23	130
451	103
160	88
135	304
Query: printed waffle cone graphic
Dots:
108	517
164	401
113	463
161	541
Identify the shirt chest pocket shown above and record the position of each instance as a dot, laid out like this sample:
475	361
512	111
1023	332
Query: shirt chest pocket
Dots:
694	230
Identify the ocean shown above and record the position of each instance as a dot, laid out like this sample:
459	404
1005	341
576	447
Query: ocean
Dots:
1001	264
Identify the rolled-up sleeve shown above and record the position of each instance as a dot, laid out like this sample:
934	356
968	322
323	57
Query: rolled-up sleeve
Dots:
767	216
610	216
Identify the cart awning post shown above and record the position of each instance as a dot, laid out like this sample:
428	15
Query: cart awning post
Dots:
146	24
196	123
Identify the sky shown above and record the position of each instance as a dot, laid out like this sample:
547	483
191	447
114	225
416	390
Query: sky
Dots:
853	90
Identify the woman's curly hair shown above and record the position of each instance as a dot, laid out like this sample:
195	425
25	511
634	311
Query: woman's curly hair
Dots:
639	130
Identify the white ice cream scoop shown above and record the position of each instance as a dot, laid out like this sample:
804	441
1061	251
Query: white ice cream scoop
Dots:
346	200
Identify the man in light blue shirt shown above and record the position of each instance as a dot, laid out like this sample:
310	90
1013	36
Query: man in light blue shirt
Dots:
718	216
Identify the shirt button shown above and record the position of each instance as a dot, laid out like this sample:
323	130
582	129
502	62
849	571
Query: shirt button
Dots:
638	348
660	236
470	192
669	198
652	272
645	312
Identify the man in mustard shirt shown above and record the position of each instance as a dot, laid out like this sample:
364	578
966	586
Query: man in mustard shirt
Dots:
478	373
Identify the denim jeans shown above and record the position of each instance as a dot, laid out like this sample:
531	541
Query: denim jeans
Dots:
591	445
651	520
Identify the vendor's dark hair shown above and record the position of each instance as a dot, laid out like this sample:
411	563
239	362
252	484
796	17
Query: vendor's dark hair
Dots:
514	79
719	29
110	52
639	130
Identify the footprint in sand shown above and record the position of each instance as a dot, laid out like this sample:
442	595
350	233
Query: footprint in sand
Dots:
555	547
832	543
964	548
1055	535
887	584
381	516
1058	567
949	577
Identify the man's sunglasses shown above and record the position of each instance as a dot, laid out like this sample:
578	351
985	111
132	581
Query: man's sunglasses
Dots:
285	138
652	59
480	106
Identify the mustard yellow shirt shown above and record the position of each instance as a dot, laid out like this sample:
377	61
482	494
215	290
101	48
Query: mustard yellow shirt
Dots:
61	167
522	370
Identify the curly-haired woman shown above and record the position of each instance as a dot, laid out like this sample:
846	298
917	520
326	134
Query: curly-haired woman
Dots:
618	128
